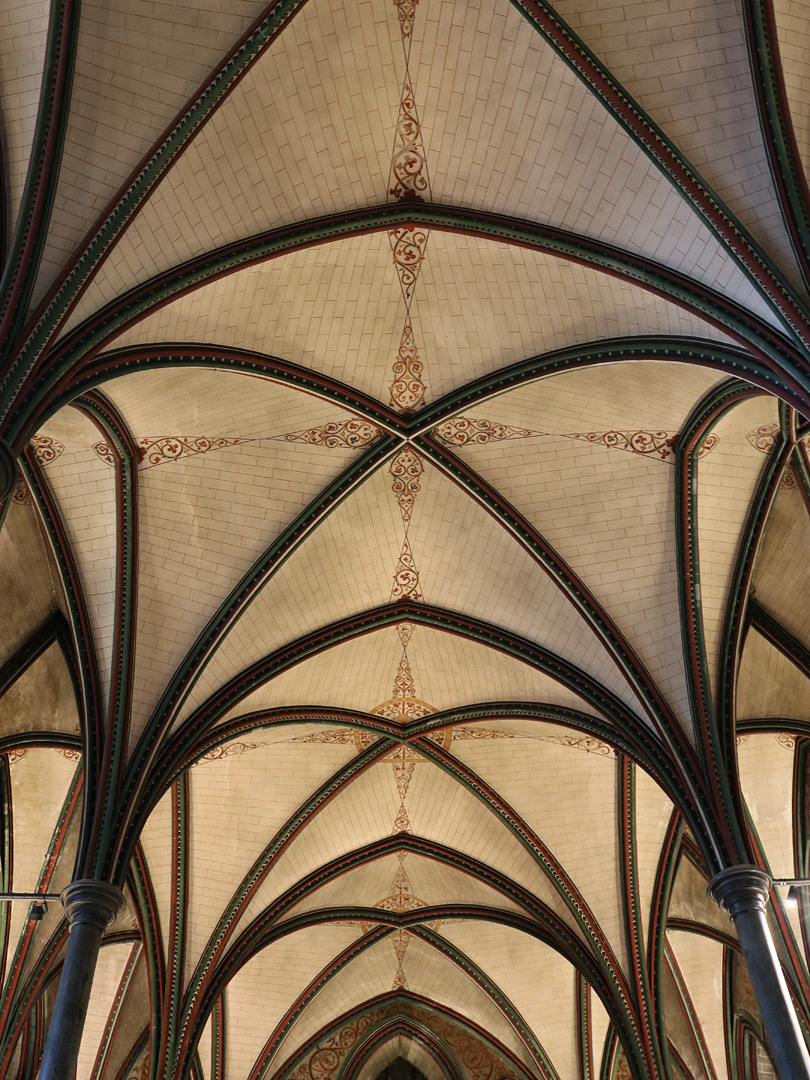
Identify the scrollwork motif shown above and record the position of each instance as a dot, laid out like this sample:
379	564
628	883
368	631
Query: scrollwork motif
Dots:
408	243
406	10
158	450
102	450
707	445
462	430
464	733
406	576
232	749
479	1061
338	434
763	438
335	736
46	449
588	743
406	469
328	1055
142	1070
409	167
408	388
404	685
658	443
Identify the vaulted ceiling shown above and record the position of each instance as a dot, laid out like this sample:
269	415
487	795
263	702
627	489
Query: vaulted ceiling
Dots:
405	587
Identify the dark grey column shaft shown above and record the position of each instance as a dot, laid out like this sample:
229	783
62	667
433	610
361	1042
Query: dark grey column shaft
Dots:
743	891
91	906
8	471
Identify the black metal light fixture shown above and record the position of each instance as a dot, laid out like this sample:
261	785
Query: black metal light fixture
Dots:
39	906
794	885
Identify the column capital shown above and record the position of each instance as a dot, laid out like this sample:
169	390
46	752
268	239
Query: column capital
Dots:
94	903
8	471
740	888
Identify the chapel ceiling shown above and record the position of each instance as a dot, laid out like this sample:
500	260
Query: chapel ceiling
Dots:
405	585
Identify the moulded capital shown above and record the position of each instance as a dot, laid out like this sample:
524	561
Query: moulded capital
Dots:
93	903
740	888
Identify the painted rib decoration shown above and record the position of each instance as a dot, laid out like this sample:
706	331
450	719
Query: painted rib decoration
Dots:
338	434
409	167
408	388
647	443
406	9
409	179
46	449
401	707
763	439
160	449
469	430
406	470
463	430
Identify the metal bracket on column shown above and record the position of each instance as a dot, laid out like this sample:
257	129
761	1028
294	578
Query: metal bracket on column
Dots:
93	903
740	888
8	471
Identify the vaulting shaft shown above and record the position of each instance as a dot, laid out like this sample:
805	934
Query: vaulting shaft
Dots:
742	891
91	906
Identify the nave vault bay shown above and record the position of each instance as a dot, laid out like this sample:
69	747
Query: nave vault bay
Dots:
404	539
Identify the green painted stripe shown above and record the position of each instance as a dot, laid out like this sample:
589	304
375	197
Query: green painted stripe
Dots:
358	1057
252	880
788	364
219	1043
232	608
775	121
152	938
117	362
472	970
408	999
150	172
496	994
575	590
116	727
560	881
780	638
657	349
124	984
728	838
690	1014
583	1023
664	879
83	648
42	177
53	630
633	915
6	858
20	998
734	622
180	751
172	999
724	225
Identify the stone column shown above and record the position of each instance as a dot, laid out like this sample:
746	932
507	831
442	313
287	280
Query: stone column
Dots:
742	891
91	906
